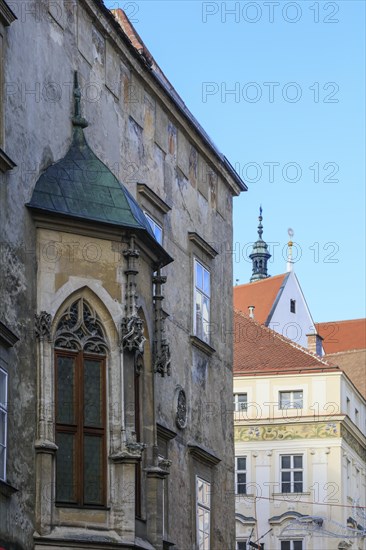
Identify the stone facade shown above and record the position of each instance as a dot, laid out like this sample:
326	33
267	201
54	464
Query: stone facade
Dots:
158	368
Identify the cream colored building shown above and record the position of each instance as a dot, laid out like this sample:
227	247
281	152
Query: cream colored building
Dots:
300	446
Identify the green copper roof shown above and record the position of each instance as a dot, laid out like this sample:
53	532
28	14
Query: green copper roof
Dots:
81	186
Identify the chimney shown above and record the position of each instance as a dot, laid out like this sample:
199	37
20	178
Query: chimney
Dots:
251	311
315	343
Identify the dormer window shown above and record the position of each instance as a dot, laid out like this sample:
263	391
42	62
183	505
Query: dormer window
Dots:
293	306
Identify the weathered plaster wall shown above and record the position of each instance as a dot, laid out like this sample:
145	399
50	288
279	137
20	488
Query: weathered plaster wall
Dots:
142	139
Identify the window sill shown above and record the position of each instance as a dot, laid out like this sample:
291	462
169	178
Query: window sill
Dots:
305	493
5	162
201	345
6	489
167	544
91	507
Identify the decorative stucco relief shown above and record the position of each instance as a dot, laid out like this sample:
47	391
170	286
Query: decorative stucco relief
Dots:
353	443
320	430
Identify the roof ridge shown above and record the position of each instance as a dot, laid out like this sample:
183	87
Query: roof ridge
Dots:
285	340
270	278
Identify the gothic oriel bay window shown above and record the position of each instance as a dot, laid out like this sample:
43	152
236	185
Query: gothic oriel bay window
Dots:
80	402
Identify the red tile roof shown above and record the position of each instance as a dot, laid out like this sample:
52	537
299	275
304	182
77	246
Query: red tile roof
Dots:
343	335
260	350
261	294
353	363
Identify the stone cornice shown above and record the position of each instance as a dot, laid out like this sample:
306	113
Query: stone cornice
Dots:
202	244
6	15
203	455
6	489
201	345
145	191
5	162
7	337
165	433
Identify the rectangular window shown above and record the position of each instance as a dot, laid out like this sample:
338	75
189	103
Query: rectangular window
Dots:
291	545
156	228
3	422
240	402
291	399
241	545
80	429
291	473
203	513
201	302
241	475
293	306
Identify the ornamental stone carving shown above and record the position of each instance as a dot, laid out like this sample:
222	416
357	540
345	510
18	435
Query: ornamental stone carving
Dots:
181	414
162	357
43	325
162	361
133	338
80	328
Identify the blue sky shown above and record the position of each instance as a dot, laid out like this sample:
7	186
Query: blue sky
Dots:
293	126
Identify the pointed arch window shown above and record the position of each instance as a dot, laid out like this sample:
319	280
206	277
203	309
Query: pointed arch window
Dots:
80	407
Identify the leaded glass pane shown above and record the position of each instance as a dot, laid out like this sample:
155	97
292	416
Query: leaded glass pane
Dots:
206	309
93	463
2	462
206	282
158	233
199	490
242	462
3	384
65	413
65	468
93	387
199	276
286	488
298	487
2	427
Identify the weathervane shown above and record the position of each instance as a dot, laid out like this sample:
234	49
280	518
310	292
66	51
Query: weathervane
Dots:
290	243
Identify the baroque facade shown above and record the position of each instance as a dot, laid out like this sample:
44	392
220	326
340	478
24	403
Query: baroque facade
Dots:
116	224
300	446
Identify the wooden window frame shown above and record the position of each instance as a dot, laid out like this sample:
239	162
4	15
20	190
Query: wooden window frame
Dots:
4	411
238	408
237	472
294	403
200	505
198	328
79	429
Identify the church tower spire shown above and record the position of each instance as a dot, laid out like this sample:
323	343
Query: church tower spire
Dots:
260	254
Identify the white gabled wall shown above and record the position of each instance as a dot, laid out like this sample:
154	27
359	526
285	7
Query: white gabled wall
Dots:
294	326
